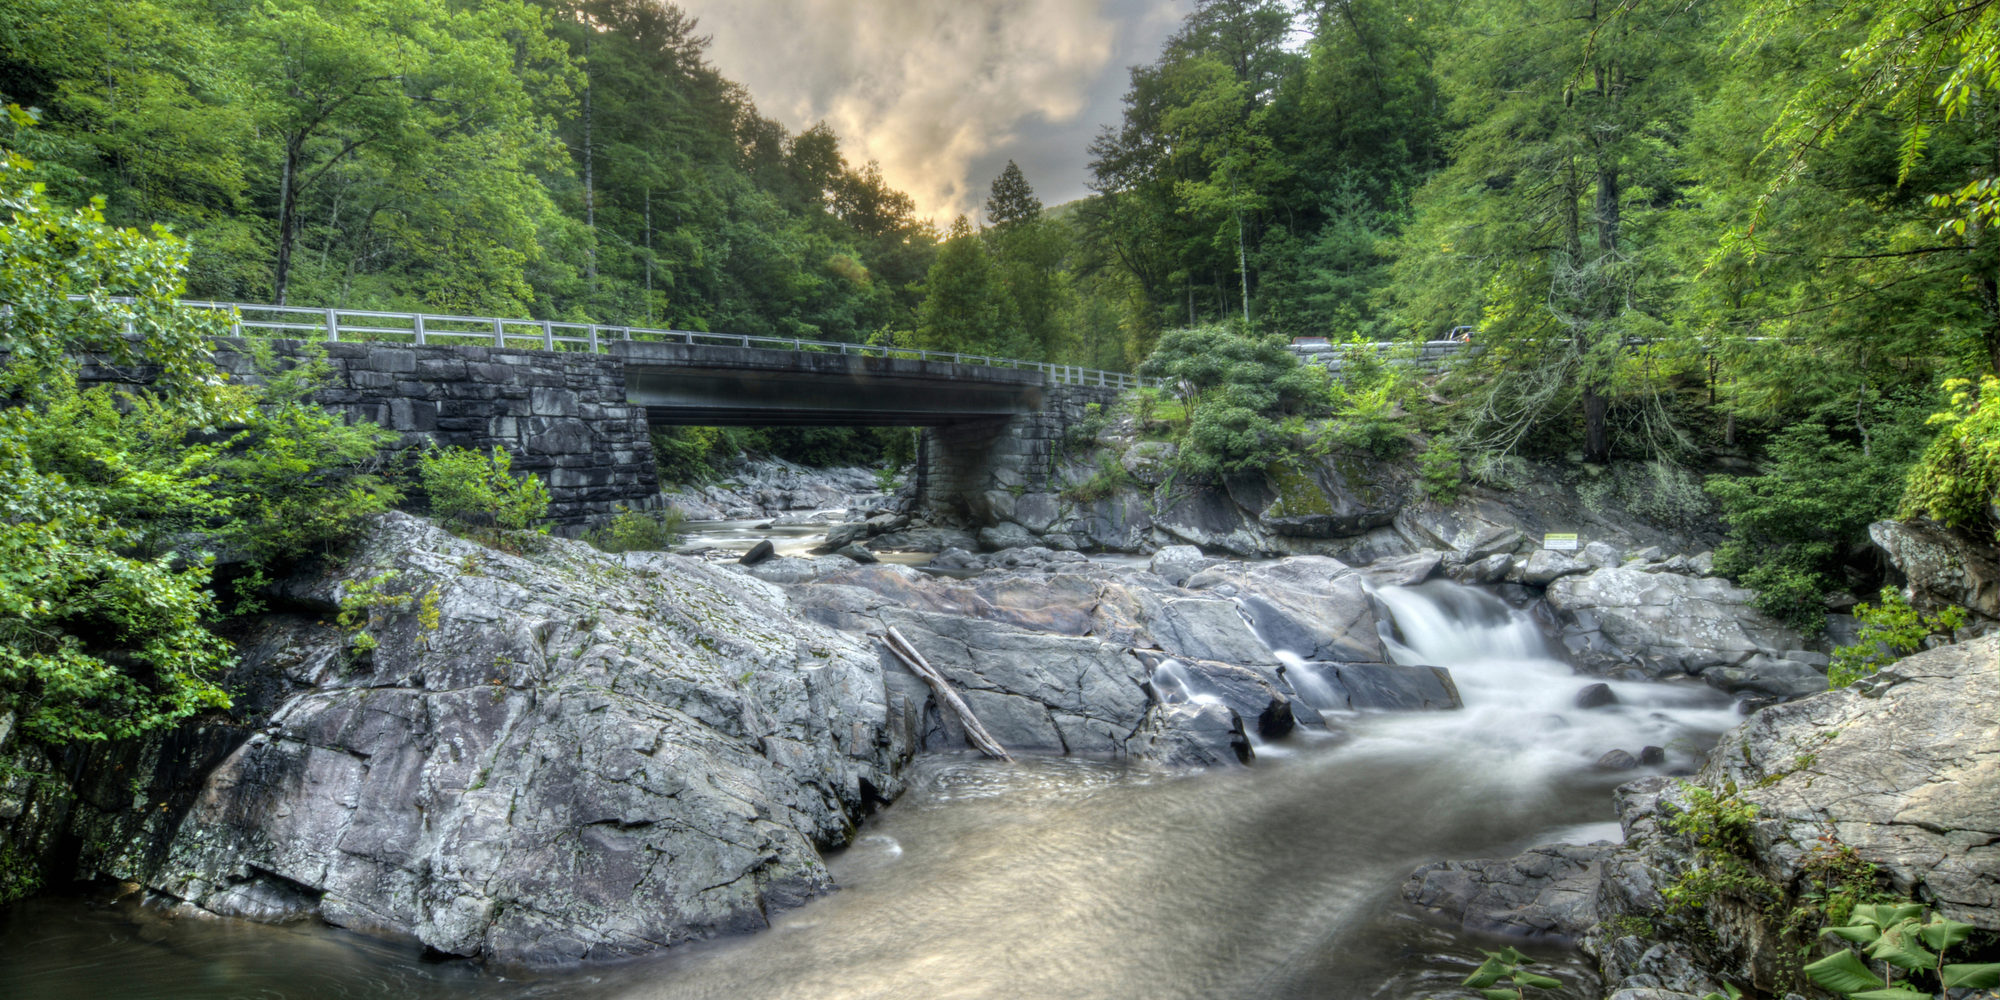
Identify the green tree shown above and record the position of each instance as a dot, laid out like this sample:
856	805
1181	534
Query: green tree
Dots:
103	634
963	308
1542	230
1235	387
1027	252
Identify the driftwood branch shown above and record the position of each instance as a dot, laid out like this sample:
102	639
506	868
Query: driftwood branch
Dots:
975	731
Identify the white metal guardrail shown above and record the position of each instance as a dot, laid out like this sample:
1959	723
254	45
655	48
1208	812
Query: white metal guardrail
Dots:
308	323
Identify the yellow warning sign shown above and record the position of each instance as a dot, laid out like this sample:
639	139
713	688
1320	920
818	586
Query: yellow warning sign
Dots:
1562	543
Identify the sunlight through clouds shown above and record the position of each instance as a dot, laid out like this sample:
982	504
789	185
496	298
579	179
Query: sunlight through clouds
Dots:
943	93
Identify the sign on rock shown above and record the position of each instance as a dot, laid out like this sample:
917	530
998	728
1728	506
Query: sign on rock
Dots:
1560	543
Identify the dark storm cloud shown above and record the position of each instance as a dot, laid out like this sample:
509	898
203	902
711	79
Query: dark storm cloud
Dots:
944	92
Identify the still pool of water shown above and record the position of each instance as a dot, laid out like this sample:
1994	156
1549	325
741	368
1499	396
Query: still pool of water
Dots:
1061	878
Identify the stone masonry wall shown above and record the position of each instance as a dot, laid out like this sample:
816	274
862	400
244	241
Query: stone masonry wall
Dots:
561	415
1002	470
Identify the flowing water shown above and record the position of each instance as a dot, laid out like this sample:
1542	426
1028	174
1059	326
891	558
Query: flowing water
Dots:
1069	878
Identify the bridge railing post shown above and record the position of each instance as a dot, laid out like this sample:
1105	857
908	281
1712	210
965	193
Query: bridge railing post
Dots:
548	336
499	332
593	338
417	327
332	326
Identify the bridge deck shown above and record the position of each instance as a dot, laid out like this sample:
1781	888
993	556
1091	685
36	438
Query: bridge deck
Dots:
705	385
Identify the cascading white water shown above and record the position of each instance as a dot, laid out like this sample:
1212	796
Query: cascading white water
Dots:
1520	700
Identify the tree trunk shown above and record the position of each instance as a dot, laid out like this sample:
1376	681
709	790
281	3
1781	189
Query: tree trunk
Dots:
589	171
1243	268
649	254
287	208
1596	404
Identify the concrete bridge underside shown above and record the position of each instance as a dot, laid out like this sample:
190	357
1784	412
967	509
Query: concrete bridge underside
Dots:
740	386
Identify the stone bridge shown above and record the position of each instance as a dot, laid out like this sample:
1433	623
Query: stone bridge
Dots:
574	403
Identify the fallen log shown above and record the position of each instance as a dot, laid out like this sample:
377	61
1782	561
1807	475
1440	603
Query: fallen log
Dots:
975	731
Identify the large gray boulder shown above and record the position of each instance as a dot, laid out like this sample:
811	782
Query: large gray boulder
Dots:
1061	654
542	758
1943	566
1663	624
1547	892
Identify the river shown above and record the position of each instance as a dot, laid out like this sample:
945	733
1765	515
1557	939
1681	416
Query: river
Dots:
1063	878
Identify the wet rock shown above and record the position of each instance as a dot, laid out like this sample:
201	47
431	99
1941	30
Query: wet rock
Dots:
758	553
1473	530
501	780
1175	563
1549	892
1652	756
1602	554
1596	696
1006	535
1616	760
790	569
1487	571
1762	674
1902	773
1247	691
1543	567
1192	735
842	535
856	553
1312	606
1404	571
1387	687
923	539
1665	623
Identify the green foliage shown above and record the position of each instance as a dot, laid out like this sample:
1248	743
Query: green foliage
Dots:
1901	936
1441	471
1719	825
1505	976
299	478
1791	526
103	614
1957	481
1889	632
1109	477
639	531
1235	387
1369	400
477	492
688	455
19	878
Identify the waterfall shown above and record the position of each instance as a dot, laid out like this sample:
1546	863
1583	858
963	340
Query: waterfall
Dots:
1521	706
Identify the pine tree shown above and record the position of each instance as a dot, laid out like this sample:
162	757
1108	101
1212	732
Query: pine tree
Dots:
1012	200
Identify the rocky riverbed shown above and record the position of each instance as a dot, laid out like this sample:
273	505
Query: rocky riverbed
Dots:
554	754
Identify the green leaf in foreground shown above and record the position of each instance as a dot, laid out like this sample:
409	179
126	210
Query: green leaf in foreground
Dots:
1844	972
1977	977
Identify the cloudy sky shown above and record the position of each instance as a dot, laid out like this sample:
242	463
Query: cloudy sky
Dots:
944	92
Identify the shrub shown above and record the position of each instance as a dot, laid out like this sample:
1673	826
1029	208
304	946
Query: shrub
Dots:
299	478
475	491
1439	471
639	531
1889	632
1790	527
1957	481
1234	388
1104	482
